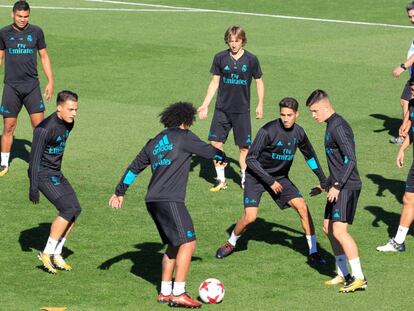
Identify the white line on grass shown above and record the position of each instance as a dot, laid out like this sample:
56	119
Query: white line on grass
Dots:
255	14
101	9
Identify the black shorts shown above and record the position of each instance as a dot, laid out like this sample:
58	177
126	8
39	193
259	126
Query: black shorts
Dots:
173	222
253	190
57	189
14	98
409	184
223	122
406	93
344	209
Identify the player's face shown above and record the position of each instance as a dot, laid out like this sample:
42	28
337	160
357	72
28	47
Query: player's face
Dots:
67	111
319	111
410	14
288	117
21	18
235	44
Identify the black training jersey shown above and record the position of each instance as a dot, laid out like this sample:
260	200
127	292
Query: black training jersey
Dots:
49	141
20	50
411	116
340	153
273	150
169	155
235	79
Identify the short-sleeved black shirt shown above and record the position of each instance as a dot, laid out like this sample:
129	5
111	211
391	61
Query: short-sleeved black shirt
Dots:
20	49
235	79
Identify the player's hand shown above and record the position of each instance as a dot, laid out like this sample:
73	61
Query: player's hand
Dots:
397	71
276	187
116	201
333	194
34	196
315	191
48	91
404	128
400	159
202	112
259	112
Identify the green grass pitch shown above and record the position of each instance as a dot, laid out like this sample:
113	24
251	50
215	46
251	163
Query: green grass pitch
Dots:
126	66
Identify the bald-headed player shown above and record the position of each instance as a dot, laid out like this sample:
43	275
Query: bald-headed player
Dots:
344	187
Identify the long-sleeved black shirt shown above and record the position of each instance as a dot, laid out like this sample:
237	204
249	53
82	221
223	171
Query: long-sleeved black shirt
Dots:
49	141
273	150
169	154
340	153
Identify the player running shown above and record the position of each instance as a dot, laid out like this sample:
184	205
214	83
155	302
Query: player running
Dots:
169	155
396	244
268	164
344	187
20	43
49	141
232	70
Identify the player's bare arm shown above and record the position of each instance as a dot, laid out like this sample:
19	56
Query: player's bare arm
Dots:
260	98
211	91
47	69
400	155
1	56
403	67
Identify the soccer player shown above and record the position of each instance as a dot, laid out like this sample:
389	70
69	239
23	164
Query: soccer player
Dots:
344	187
268	164
396	244
49	141
169	155
408	64
20	43
232	70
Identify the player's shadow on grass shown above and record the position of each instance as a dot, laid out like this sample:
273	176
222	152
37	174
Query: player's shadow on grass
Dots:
208	173
273	233
36	238
20	150
395	186
146	262
389	124
390	219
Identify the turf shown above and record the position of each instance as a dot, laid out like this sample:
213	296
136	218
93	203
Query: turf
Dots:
127	66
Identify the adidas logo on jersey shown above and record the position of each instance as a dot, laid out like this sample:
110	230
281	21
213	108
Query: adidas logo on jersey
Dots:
163	145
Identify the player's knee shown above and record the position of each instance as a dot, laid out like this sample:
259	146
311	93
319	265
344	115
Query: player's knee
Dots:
249	218
8	129
408	199
70	212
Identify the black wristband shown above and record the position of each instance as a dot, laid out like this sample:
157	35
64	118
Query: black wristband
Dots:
403	66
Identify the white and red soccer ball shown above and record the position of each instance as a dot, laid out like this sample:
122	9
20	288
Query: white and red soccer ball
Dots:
211	291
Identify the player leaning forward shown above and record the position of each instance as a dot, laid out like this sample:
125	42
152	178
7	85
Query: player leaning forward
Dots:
169	155
268	164
344	187
48	146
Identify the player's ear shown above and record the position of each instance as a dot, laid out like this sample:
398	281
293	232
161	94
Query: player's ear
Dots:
297	114
59	108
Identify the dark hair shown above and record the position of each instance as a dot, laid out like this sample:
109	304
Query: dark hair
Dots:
236	31
289	102
21	6
410	6
63	96
316	96
178	113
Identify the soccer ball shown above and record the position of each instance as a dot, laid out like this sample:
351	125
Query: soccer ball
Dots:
211	291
